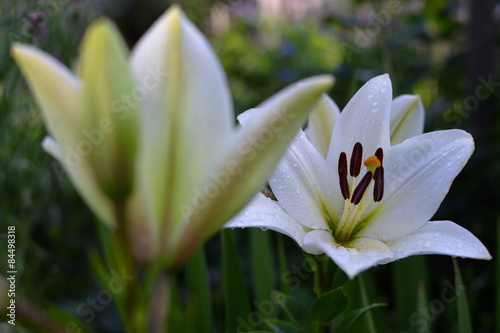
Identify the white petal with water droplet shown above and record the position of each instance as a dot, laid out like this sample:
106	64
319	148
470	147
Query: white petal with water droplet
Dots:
355	257
439	237
262	212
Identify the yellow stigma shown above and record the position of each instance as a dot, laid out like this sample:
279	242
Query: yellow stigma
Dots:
372	163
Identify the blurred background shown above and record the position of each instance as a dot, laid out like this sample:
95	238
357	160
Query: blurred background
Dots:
445	51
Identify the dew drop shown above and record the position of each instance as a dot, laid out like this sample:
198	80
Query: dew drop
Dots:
297	191
263	229
428	244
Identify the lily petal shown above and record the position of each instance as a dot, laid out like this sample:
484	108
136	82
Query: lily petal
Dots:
320	124
188	109
56	89
302	179
262	212
365	119
84	181
109	124
302	183
419	173
407	118
362	253
249	160
439	237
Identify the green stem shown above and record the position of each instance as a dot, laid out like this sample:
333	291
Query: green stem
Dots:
125	260
160	303
320	275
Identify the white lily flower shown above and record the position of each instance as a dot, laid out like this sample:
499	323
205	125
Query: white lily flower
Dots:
407	120
368	202
194	169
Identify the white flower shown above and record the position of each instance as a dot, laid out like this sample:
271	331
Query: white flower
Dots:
367	202
170	165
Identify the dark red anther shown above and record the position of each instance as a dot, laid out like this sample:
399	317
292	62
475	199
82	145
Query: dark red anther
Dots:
344	186
343	164
380	154
356	157
361	188
378	189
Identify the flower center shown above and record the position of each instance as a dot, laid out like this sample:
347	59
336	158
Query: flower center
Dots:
355	203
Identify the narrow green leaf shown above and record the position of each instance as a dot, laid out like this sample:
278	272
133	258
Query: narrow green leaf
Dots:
407	274
199	290
281	326
236	299
328	306
295	311
464	323
364	299
425	325
284	283
262	265
342	323
69	322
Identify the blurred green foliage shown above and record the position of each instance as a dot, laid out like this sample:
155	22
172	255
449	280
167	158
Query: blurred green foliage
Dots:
423	45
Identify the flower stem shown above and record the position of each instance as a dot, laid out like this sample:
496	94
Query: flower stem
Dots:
126	266
160	303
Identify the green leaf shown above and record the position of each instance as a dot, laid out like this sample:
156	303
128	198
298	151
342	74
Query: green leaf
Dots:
199	291
295	311
328	306
281	326
70	323
284	283
422	303
407	274
236	299
464	323
262	265
343	322
364	298
335	277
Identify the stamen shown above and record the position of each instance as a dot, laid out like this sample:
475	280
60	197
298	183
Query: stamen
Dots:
380	155
343	164
344	186
378	189
357	155
361	188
